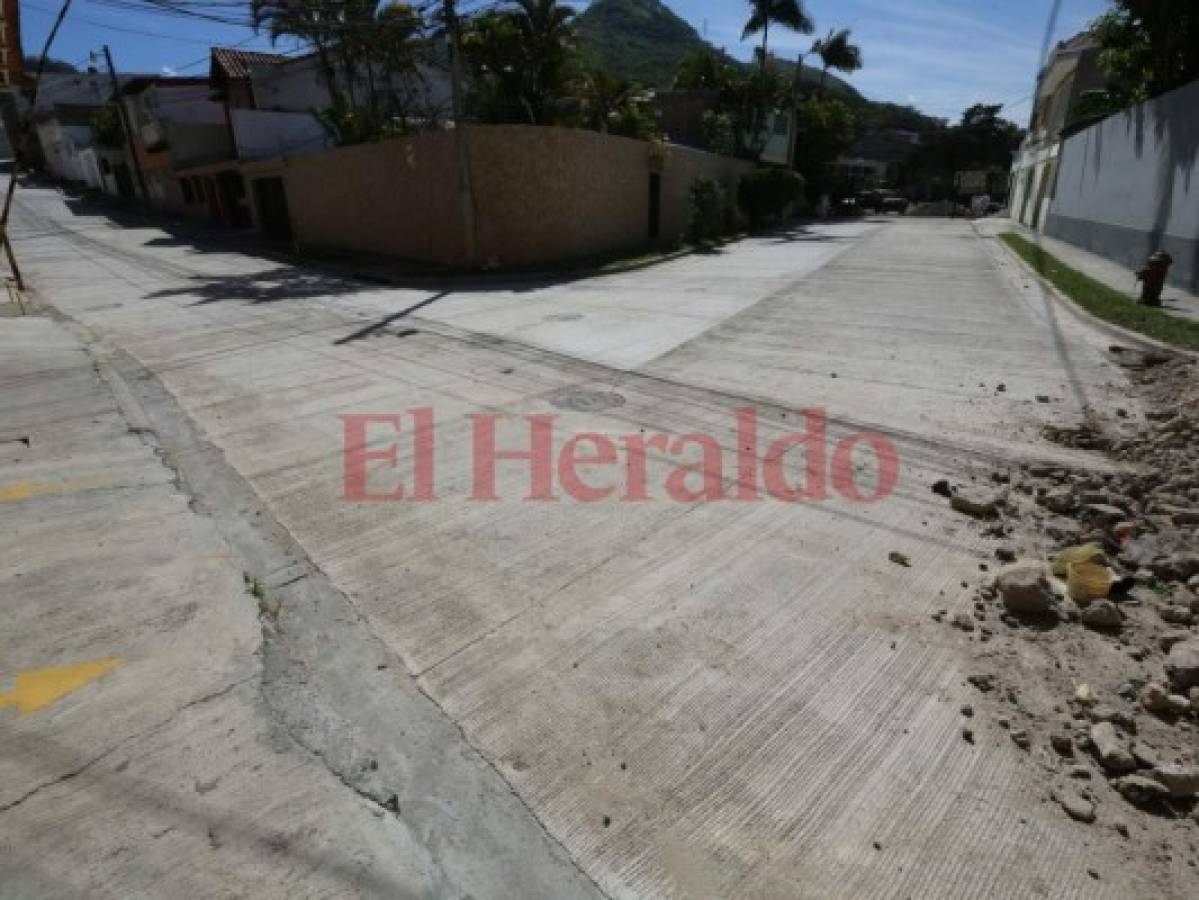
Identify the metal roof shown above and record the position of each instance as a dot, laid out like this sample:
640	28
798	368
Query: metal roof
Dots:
228	63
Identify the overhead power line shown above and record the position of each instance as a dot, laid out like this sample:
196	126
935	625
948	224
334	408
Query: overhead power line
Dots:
122	28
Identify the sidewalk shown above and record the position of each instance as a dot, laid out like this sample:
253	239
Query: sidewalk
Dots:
1175	300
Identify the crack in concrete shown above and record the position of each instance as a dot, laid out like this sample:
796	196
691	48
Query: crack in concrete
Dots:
159	439
132	739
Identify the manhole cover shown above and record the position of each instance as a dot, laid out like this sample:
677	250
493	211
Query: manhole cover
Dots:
586	401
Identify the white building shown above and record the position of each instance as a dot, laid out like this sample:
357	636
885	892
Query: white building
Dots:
63	123
1072	69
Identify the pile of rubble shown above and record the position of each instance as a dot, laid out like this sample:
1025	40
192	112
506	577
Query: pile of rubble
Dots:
1087	643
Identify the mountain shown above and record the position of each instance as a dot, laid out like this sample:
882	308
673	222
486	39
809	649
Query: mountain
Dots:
812	75
641	40
644	41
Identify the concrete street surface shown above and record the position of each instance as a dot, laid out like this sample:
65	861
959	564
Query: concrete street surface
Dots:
165	772
457	697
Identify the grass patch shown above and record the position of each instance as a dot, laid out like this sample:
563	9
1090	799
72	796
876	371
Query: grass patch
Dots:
1104	302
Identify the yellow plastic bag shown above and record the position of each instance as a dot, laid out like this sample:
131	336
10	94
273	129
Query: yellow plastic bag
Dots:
1092	553
1087	581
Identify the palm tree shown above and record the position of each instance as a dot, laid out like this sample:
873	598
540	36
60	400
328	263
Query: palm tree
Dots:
787	13
314	22
384	41
836	52
522	58
548	37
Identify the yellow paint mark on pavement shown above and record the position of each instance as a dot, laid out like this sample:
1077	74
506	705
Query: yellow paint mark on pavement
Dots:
23	490
38	688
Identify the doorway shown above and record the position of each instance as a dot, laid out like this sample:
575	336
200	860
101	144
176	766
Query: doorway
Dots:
270	198
232	191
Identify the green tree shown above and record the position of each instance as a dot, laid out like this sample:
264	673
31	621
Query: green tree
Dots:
632	119
744	98
367	56
705	69
708	214
377	52
521	58
825	129
600	96
751	99
1149	46
785	13
719	134
836	52
980	140
397	43
317	23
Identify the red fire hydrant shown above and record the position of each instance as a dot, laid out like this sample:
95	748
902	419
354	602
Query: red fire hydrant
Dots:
1153	277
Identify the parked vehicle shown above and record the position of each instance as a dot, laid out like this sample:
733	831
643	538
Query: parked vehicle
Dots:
881	201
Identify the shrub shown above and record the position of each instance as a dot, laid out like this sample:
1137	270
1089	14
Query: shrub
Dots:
633	120
766	193
106	123
719	135
707	210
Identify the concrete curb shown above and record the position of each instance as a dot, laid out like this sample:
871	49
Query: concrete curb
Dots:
1138	340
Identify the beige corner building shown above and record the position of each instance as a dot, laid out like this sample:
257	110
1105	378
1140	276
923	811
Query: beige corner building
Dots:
1071	70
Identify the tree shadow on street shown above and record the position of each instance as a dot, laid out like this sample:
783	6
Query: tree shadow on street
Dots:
271	285
376	327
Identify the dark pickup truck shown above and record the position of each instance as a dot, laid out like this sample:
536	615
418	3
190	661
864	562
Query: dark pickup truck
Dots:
882	201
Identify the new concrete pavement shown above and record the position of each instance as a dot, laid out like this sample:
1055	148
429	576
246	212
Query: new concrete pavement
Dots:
662	697
148	752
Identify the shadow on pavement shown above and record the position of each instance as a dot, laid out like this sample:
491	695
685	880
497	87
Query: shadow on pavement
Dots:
378	326
118	787
283	282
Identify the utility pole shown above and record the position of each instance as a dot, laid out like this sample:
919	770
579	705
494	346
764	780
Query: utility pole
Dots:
21	137
465	187
116	93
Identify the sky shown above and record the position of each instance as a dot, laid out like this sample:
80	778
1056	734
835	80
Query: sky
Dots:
940	56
